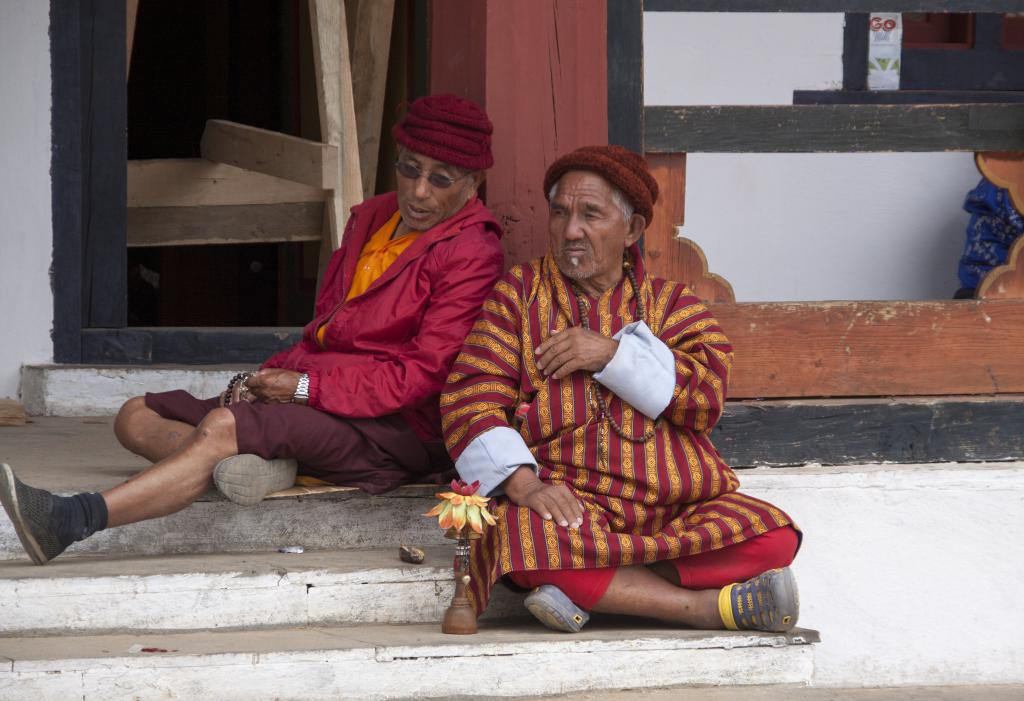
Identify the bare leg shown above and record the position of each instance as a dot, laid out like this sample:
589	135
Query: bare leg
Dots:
637	591
176	481
146	433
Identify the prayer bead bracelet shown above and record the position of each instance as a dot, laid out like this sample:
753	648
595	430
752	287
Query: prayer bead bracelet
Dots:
240	377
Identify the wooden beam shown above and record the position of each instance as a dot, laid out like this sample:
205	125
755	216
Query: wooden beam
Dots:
193	182
626	74
834	128
831	6
371	45
859	431
904	97
218	224
131	13
857	349
140	345
337	114
270	152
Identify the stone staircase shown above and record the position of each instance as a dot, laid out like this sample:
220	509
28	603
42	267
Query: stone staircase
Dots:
202	605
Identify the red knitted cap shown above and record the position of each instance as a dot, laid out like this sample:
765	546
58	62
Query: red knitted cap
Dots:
621	167
449	128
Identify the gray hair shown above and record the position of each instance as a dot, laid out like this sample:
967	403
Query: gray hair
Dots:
618	198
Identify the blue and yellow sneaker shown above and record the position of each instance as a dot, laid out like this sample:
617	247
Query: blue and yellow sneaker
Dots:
768	602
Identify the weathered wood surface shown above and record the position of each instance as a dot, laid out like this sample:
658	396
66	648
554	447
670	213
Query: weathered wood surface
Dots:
1005	281
371	44
193	182
1005	170
219	224
867	349
903	97
625	47
851	431
184	345
12	413
270	152
834	128
332	64
832	6
668	255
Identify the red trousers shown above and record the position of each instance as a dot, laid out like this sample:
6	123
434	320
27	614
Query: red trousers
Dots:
710	570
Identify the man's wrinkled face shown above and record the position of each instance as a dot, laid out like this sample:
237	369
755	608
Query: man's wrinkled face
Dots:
424	203
587	228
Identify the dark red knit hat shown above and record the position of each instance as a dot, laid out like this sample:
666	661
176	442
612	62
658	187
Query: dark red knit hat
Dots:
449	128
621	167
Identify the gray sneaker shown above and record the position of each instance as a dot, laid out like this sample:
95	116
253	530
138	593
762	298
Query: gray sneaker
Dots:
246	479
30	510
553	608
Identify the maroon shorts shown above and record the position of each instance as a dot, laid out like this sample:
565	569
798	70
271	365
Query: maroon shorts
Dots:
376	455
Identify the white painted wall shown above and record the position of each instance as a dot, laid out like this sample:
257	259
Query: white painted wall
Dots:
802	226
26	230
911	574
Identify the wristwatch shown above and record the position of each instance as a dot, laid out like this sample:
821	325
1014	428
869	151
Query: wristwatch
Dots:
302	389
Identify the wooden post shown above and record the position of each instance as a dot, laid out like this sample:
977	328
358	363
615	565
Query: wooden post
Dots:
371	44
337	114
540	71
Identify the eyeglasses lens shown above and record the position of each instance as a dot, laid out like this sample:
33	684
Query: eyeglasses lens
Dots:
438	180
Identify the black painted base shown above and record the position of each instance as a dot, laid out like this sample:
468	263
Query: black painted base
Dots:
852	431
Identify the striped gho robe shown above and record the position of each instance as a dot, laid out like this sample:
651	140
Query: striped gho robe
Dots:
660	499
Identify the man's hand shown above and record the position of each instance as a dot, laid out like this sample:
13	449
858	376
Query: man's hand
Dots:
273	385
550	502
575	349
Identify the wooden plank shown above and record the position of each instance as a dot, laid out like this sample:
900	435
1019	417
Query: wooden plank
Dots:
855	51
185	345
904	97
12	413
131	13
337	115
666	254
190	182
104	118
858	349
371	45
834	128
832	6
67	176
270	152
626	74
219	224
859	431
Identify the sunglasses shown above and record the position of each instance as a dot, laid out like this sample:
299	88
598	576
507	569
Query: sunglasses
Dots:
413	172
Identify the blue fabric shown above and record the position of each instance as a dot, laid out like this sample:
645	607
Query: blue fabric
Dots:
995	224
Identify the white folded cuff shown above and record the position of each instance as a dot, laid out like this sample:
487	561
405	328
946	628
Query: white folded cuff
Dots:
642	371
492	457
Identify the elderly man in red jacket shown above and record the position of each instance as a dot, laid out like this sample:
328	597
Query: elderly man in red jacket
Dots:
355	402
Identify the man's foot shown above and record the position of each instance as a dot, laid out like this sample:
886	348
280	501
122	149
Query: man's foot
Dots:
31	512
246	479
768	602
554	609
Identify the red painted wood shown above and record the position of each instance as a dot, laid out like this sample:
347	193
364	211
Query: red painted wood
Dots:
544	85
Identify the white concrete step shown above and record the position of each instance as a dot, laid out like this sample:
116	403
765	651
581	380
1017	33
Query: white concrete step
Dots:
88	595
213	524
393	662
100	390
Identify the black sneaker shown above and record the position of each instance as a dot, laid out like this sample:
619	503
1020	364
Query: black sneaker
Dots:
30	511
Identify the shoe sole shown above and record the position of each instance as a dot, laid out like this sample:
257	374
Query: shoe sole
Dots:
556	611
247	479
9	499
787	600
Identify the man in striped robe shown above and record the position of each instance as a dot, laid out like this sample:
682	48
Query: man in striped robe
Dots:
583	400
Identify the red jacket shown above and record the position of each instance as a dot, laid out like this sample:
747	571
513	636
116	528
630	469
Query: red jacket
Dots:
389	349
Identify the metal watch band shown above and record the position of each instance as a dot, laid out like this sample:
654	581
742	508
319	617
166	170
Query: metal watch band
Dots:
302	388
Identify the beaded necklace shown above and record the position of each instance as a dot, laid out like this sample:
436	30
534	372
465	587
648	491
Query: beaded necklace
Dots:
602	405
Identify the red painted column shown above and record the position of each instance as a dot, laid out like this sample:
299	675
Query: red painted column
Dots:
539	68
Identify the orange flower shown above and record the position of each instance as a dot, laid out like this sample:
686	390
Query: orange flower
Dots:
460	506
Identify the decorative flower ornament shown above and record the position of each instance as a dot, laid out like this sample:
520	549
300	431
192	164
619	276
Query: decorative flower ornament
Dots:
462	506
